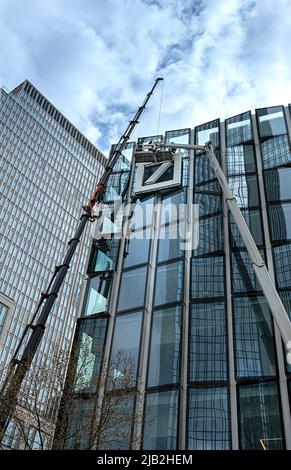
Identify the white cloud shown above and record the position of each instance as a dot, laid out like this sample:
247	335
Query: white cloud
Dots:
96	59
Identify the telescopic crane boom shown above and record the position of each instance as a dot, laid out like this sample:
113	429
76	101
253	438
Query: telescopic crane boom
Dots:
35	330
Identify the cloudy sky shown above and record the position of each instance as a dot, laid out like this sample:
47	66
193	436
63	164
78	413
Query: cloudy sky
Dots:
96	59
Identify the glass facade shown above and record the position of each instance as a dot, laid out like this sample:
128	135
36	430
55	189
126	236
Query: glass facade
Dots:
48	169
207	360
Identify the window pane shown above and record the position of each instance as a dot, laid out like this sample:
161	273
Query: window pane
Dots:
260	420
164	357
203	171
243	274
271	121
161	417
254	338
132	289
90	342
208	342
282	260
208	203
136	249
103	255
276	151
253	220
119	413
240	159
280	222
115	185
125	351
80	417
278	185
208	419
173	208
239	129
169	283
208	277
169	243
210	235
245	190
97	294
207	132
142	214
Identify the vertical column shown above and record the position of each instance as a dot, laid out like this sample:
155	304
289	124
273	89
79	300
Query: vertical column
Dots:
186	308
268	247
232	381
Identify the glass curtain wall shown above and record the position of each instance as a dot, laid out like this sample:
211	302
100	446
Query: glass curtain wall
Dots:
149	319
254	345
208	425
276	160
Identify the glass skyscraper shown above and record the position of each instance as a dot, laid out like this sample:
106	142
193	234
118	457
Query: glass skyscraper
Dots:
48	169
208	360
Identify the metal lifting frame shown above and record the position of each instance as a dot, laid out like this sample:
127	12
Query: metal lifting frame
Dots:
35	330
269	290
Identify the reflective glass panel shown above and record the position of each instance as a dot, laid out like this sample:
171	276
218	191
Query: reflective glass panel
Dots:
202	169
240	159
89	348
125	351
260	417
207	277
271	121
210	235
161	421
115	185
119	414
97	295
79	424
276	152
132	289
207	132
136	249
208	419
245	190
164	356
142	214
277	184
169	243
280	221
282	260
173	208
209	203
103	255
124	160
243	275
169	283
208	342
238	129
253	220
254	338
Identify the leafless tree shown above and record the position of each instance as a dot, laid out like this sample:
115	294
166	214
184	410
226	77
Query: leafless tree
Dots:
92	409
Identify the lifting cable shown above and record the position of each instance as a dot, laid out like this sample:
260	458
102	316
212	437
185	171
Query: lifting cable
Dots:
161	100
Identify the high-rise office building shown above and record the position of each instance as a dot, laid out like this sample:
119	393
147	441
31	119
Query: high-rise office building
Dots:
48	169
208	359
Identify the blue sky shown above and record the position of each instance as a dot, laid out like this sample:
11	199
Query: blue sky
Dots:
96	59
